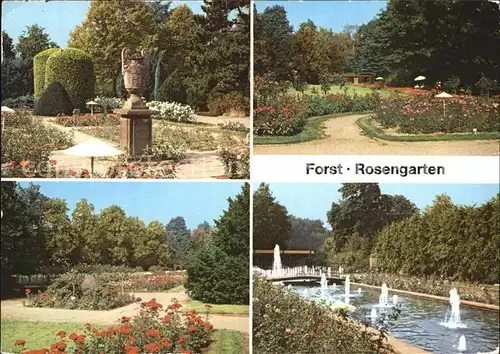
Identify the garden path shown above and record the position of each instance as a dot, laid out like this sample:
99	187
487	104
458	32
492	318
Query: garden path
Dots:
14	310
344	137
196	165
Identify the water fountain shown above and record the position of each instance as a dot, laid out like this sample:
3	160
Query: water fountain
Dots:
373	314
359	291
334	286
277	268
347	287
289	287
384	296
329	272
462	346
454	320
394	299
323	282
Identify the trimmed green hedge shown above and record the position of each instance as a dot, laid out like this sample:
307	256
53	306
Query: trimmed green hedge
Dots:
74	70
54	101
39	62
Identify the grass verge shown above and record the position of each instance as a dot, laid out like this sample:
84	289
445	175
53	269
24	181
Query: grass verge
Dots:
42	334
216	309
314	130
372	131
228	342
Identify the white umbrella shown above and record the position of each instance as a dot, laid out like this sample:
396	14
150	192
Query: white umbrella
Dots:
92	104
92	148
443	95
6	109
420	78
379	78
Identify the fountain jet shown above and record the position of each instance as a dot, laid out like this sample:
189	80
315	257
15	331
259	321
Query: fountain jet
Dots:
324	282
454	320
462	346
277	268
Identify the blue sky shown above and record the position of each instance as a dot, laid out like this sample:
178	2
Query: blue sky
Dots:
328	14
58	18
196	202
313	200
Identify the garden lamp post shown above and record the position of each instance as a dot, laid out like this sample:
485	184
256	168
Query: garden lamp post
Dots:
444	95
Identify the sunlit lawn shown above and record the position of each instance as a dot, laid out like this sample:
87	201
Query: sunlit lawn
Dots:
335	89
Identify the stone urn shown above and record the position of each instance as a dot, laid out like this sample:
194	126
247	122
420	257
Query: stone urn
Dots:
135	71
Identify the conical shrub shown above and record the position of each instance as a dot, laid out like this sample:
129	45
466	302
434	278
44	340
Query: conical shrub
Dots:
54	101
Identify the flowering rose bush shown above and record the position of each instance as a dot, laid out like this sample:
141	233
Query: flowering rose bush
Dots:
153	330
432	286
26	138
424	114
155	282
173	111
283	322
234	152
67	292
286	117
236	126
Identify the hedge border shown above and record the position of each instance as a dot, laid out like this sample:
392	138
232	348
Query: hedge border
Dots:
371	131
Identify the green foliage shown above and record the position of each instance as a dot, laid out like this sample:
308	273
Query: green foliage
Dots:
486	85
307	234
218	273
17	78
8	50
28	139
452	84
447	240
33	41
341	103
74	70
234	152
39	62
54	101
283	322
229	103
178	237
325	82
271	222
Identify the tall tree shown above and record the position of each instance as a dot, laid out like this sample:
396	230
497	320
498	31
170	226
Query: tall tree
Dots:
271	222
108	27
65	249
8	50
33	41
219	271
84	226
179	239
307	234
112	226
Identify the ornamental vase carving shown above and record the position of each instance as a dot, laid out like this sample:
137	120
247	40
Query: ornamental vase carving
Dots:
135	71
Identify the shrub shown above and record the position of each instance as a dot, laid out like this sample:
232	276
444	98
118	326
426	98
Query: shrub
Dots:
54	101
172	111
235	155
30	141
425	114
268	92
283	322
27	101
67	292
74	70
288	117
109	103
162	282
341	103
235	126
230	102
147	332
39	62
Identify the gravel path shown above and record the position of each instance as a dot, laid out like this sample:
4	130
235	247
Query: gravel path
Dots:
345	138
14	310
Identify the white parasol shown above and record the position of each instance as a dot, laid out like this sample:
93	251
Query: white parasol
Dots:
6	109
419	78
92	104
379	78
444	95
93	148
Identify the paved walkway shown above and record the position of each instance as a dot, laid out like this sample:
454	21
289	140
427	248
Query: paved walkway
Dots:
202	165
14	310
222	119
345	138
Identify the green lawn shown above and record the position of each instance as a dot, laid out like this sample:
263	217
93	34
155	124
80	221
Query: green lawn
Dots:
313	130
372	131
216	309
42	334
228	342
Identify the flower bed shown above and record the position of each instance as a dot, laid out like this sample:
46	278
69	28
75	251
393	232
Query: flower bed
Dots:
285	118
172	111
439	287
155	282
88	120
26	138
153	330
234	153
283	322
424	114
68	291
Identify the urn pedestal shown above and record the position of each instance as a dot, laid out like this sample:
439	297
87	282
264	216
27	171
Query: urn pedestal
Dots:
136	132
